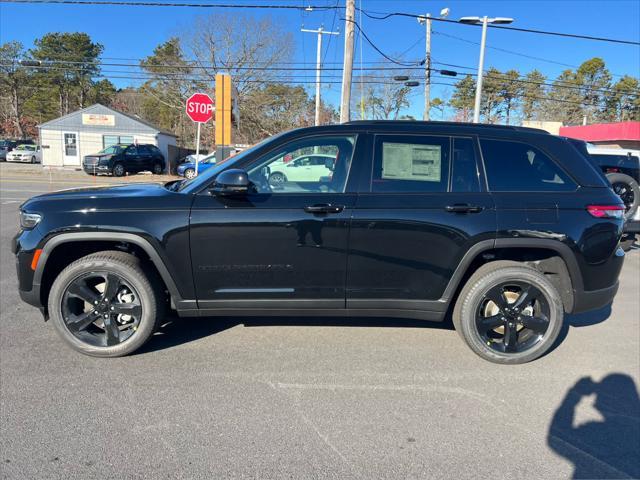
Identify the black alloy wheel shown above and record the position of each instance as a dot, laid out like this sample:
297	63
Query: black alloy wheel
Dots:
512	317
101	309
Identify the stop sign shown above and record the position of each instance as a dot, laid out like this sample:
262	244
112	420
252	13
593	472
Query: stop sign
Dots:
200	107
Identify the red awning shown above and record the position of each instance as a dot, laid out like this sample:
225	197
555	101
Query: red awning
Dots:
603	132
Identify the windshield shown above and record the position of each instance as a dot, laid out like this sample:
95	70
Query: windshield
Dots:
204	178
112	150
27	147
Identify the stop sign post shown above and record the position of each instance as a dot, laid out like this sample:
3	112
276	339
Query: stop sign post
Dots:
199	109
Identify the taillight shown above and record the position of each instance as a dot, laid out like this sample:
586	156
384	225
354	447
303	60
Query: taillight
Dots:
606	211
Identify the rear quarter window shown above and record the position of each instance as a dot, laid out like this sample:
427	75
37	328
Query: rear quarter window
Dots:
520	167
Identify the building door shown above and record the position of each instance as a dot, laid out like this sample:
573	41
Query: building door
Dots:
70	150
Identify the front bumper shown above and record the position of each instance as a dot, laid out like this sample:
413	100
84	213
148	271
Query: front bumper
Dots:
96	168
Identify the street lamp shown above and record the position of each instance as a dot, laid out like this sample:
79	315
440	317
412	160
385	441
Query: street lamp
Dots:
484	21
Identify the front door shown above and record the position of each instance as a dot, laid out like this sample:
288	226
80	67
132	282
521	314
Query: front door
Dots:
70	150
283	246
426	205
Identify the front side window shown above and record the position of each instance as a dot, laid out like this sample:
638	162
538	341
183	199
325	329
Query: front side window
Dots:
411	164
519	167
310	165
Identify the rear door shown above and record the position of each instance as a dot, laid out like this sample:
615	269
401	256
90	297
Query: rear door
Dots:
422	210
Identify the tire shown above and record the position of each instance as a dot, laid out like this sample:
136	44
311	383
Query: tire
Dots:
157	168
545	313
276	179
33	159
139	289
189	173
627	188
118	170
627	241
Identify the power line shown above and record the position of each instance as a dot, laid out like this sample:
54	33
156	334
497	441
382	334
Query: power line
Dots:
373	45
532	57
369	14
499	76
502	27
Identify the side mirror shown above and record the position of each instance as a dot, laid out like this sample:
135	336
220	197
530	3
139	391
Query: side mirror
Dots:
234	181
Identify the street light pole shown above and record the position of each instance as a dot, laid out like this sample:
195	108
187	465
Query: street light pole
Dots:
320	32
476	105
484	21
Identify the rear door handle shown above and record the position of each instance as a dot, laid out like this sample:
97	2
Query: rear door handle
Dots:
463	208
324	208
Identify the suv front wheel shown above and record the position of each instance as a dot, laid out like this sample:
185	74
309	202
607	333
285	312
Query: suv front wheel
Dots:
118	170
508	313
105	304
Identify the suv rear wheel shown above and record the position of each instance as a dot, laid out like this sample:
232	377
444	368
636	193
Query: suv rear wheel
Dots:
628	191
105	305
157	168
508	313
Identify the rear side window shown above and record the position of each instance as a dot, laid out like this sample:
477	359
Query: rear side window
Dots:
406	164
516	166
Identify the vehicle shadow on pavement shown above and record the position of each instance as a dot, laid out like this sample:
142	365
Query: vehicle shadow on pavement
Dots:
581	320
177	331
604	447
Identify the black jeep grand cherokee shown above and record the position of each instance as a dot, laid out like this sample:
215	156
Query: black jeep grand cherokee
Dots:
505	228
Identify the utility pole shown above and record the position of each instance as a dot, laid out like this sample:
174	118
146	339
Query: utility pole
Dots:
426	20
427	71
320	32
347	69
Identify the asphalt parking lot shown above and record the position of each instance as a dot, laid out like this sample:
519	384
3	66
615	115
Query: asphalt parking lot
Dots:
319	398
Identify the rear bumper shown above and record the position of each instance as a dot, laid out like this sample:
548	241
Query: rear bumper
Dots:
595	299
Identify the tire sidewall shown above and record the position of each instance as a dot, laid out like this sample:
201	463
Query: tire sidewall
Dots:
633	185
476	295
191	175
131	276
157	169
116	173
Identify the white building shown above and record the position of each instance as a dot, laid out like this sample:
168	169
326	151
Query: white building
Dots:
67	139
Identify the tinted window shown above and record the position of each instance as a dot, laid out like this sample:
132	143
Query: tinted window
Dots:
515	166
131	150
290	169
410	164
464	175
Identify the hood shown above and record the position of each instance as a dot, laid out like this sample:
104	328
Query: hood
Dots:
109	192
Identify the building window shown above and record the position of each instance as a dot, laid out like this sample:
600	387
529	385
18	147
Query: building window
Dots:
108	140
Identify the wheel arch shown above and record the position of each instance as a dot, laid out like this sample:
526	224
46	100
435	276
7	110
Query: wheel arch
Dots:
554	259
57	252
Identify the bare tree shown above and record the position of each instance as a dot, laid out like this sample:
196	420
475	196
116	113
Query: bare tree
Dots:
246	47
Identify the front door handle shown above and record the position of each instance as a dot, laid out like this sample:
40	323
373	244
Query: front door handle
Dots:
324	208
463	208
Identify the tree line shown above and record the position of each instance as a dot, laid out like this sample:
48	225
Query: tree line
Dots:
587	93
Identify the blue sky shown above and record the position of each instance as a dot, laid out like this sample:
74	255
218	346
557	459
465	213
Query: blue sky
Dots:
133	32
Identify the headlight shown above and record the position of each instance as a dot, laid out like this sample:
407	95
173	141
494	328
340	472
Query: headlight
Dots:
29	220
